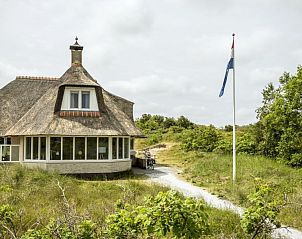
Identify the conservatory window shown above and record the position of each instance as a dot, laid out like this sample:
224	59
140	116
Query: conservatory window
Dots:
67	148
91	148
126	147
80	148
55	148
120	148
43	148
103	148
35	148
114	148
28	148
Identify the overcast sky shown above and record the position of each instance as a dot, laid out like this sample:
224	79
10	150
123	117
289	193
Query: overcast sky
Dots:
167	56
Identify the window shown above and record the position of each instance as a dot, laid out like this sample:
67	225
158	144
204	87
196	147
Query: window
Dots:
80	148
132	144
85	99
28	148
43	148
114	148
91	147
74	99
67	148
103	148
55	148
35	148
120	148
126	148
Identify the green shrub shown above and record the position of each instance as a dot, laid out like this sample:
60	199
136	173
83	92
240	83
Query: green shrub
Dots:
166	214
203	138
260	218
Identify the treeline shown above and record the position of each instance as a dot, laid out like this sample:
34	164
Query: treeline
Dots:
192	136
277	134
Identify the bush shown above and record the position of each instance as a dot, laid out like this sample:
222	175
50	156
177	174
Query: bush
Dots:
260	218
203	138
166	214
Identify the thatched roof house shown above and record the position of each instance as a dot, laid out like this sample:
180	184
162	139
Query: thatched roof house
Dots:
69	124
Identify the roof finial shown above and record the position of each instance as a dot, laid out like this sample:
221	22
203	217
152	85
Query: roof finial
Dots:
76	43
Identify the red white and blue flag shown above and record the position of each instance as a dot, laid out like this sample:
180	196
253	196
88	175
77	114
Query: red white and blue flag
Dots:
229	66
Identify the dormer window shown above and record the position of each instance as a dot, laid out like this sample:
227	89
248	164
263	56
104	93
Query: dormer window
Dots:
83	100
79	99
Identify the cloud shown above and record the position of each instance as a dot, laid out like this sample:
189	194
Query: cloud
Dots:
168	56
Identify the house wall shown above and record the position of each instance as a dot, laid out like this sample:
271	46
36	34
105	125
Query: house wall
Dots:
66	98
101	167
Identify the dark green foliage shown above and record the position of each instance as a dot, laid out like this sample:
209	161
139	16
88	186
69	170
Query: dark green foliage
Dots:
260	218
155	126
166	214
203	138
280	118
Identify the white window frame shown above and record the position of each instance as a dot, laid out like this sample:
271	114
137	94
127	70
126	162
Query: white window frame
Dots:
89	102
32	147
73	156
78	92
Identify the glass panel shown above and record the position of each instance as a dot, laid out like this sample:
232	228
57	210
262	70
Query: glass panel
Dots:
80	148
132	144
74	99
103	148
91	147
15	153
5	153
43	148
85	99
55	148
67	148
1	140
28	148
126	148
114	151
35	148
120	148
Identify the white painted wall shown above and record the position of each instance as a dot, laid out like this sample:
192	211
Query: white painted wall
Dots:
66	99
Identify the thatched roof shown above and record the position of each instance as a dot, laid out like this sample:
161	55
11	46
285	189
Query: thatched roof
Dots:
31	105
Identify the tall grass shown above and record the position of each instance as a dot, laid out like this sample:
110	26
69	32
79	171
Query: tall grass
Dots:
37	197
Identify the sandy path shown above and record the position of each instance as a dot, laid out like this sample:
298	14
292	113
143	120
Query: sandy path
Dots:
168	177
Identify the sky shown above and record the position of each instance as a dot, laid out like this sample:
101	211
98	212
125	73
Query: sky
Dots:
167	56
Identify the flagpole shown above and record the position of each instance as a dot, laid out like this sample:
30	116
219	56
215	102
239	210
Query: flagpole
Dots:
234	118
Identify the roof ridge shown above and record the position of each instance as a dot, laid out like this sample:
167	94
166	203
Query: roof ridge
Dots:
36	78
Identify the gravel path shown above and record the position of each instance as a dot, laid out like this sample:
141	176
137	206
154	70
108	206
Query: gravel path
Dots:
168	177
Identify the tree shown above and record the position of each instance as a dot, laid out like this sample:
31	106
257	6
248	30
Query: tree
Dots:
280	117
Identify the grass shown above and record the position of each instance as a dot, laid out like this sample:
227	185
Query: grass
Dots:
214	172
35	194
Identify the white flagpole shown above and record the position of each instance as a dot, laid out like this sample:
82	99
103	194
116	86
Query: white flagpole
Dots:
234	118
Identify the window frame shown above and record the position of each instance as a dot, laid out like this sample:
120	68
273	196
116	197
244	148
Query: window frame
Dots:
85	92
74	92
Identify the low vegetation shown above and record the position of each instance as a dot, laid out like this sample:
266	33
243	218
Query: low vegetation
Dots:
43	205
